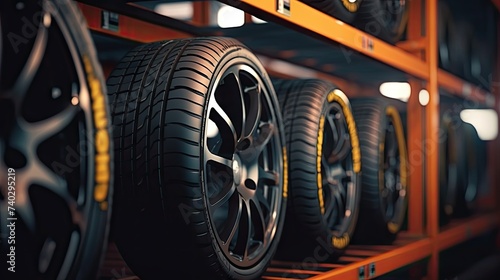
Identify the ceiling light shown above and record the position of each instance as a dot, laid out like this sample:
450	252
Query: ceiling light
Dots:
396	90
178	10
258	20
228	17
423	97
485	121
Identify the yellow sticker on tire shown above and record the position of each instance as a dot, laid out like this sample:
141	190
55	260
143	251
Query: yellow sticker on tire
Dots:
393	114
351	6
285	173
351	127
341	242
319	155
102	138
356	152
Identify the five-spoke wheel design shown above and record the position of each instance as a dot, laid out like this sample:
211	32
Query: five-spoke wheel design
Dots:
243	162
54	145
324	169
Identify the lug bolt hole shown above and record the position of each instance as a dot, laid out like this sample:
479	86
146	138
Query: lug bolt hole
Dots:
14	158
249	183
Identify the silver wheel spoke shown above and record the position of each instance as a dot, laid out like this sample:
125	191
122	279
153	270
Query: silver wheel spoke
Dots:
225	118
228	234
269	178
26	76
252	116
209	156
42	130
226	193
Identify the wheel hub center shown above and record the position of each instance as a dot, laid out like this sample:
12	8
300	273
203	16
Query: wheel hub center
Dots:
245	175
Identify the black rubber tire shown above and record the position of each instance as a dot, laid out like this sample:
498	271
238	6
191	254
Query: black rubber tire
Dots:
343	10
306	107
445	31
484	43
452	166
55	133
467	194
483	163
454	43
376	119
160	96
482	63
378	19
461	52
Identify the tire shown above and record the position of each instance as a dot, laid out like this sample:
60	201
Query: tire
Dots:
343	10
452	167
454	43
484	44
313	112
384	19
385	171
482	63
55	134
200	160
461	51
445	31
467	195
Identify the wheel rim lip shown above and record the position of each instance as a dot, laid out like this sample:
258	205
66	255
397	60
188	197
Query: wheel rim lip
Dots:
394	20
247	66
78	235
342	227
397	198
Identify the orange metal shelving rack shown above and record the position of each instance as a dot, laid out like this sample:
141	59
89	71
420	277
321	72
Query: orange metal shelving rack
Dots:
417	57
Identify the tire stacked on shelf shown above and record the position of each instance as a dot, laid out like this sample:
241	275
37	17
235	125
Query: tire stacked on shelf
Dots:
462	167
385	19
467	40
467	194
459	167
54	144
344	10
484	43
324	167
384	179
201	163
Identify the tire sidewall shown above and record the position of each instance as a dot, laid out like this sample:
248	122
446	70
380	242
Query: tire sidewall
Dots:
342	101
99	212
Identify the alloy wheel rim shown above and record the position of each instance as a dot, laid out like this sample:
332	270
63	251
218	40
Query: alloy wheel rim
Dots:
242	164
392	191
337	172
48	180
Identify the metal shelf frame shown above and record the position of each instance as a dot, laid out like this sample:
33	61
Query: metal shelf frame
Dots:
417	57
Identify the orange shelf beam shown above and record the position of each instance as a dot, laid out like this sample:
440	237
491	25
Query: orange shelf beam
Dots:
458	87
304	17
465	230
129	28
384	263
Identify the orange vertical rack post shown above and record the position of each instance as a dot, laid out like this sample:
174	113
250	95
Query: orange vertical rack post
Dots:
432	127
415	135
